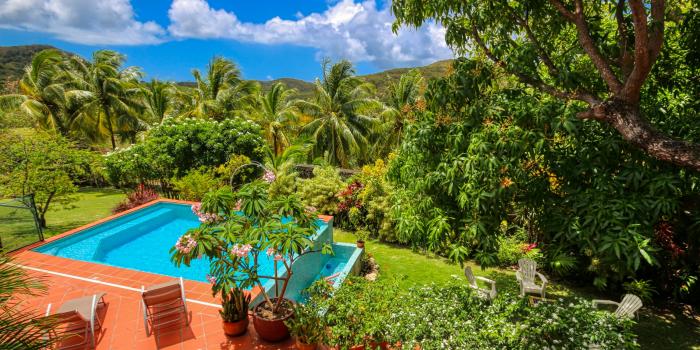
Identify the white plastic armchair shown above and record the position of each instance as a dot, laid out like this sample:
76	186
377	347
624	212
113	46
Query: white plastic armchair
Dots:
526	274
628	307
488	294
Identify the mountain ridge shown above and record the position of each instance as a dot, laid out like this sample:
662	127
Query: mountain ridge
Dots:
13	59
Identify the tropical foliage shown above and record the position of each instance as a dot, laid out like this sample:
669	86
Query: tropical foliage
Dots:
44	165
177	146
20	328
342	113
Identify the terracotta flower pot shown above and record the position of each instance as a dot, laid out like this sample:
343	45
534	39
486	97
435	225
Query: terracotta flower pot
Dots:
303	346
270	330
236	328
360	243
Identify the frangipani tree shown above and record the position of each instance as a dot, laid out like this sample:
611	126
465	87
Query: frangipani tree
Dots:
241	231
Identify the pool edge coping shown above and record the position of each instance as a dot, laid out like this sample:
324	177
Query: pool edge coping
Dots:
95	223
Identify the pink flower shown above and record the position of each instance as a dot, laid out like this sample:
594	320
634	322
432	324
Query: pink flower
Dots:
269	176
185	244
270	251
211	279
279	257
310	209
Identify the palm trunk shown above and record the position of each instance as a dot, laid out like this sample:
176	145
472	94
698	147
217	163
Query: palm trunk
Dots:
634	128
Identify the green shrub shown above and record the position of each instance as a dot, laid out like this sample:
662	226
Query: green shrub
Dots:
194	185
177	146
513	248
643	289
452	317
321	190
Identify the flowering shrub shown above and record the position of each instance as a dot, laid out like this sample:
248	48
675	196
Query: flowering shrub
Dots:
513	248
239	231
177	146
141	195
452	317
321	190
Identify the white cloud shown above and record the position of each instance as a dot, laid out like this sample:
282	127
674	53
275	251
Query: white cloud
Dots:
103	22
357	31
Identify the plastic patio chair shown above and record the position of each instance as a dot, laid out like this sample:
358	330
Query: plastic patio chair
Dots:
628	307
163	305
526	274
76	320
488	294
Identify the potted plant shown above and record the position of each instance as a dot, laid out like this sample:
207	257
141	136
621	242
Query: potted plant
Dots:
241	232
234	311
362	235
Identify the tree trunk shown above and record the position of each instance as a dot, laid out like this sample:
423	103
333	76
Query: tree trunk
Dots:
634	128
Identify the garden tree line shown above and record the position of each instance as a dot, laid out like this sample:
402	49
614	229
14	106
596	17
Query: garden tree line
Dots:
100	101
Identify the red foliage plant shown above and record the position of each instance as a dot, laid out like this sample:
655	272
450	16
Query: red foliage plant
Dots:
140	195
348	197
664	238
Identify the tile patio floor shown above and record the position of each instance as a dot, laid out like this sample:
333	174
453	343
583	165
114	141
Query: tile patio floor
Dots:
122	316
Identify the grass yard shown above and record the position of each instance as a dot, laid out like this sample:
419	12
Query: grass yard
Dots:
657	328
17	226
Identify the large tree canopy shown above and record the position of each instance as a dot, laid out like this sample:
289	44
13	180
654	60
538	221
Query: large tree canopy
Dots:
599	53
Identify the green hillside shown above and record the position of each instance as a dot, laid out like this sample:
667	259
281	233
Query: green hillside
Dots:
13	59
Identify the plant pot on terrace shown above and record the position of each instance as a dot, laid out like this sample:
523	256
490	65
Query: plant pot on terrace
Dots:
234	312
270	325
360	243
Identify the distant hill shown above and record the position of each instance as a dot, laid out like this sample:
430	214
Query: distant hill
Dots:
13	59
381	80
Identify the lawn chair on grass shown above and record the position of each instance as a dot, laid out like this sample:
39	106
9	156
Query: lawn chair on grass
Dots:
164	305
484	293
628	307
76	320
526	274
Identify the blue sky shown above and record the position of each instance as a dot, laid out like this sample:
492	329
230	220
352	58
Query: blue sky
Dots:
267	38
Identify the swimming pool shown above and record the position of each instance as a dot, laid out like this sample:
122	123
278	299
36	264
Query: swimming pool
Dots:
141	240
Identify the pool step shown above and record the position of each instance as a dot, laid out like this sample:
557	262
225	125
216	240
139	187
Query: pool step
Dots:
122	234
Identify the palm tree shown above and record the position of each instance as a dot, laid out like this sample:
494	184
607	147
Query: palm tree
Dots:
41	93
159	100
105	101
342	110
222	93
402	99
276	116
21	329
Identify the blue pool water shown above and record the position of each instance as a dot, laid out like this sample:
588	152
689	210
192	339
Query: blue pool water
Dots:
141	241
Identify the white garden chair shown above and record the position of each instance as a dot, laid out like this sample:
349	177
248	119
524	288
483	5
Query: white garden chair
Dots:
526	274
628	307
484	293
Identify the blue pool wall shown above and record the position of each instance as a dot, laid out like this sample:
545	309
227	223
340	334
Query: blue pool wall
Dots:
308	267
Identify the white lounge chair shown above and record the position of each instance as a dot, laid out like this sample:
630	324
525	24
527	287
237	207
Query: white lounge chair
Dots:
526	274
628	307
164	305
488	294
76	320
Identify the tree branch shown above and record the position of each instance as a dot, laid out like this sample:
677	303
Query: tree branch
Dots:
528	31
584	38
625	61
534	82
646	46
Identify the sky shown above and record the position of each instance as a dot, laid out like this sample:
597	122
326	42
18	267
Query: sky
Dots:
268	39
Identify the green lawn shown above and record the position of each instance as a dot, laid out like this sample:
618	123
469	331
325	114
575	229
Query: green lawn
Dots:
17	226
657	328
